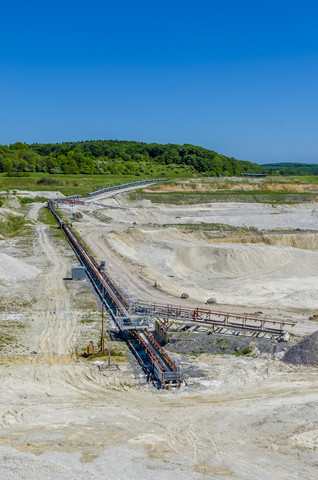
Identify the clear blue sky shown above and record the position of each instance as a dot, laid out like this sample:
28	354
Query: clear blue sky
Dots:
239	77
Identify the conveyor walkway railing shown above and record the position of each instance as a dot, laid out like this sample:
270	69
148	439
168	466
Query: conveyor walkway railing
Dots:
205	316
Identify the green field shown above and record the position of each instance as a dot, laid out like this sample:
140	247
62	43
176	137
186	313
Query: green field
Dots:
77	184
302	178
80	184
256	196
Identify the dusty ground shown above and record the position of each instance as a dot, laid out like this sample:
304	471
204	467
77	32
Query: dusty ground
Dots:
266	263
63	418
215	184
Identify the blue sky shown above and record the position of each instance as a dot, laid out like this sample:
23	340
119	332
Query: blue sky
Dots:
238	77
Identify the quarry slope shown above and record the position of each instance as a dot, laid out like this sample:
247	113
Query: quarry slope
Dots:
237	418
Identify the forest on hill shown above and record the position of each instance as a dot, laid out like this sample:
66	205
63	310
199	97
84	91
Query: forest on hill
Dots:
290	168
119	157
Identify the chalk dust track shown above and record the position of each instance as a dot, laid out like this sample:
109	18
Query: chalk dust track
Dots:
58	339
34	209
58	336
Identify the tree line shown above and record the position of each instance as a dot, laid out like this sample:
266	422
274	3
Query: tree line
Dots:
290	168
118	157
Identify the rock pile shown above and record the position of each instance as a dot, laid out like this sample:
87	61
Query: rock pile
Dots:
304	352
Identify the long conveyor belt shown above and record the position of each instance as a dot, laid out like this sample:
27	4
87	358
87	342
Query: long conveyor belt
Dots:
151	356
161	366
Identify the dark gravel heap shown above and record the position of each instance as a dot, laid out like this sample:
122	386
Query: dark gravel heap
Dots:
304	352
196	343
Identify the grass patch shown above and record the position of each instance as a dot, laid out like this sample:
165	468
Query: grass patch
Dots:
116	355
18	174
59	233
46	217
300	179
242	196
217	227
6	339
48	181
81	184
13	226
245	351
88	320
71	184
26	200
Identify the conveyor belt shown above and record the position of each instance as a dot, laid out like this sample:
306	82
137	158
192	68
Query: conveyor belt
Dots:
163	367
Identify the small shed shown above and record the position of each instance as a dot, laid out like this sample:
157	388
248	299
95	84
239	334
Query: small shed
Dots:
78	273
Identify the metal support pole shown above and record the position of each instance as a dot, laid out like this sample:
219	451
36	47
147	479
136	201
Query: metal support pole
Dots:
102	336
108	343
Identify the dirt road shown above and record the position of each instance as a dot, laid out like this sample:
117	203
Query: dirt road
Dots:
58	335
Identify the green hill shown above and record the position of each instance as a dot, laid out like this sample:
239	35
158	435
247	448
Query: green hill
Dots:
119	157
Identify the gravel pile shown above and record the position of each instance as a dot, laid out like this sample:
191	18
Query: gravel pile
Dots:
304	352
197	343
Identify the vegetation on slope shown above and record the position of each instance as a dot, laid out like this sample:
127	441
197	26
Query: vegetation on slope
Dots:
119	158
207	190
68	184
12	226
242	196
290	168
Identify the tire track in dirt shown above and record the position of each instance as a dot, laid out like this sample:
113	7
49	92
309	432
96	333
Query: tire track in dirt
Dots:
58	339
186	442
58	336
12	416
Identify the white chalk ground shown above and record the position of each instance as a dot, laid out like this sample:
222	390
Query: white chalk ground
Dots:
237	418
33	194
14	269
236	274
262	216
279	274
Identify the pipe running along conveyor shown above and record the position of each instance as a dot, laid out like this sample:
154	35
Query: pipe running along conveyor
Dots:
162	366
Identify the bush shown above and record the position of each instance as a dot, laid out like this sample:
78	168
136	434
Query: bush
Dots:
25	200
47	181
246	351
18	174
